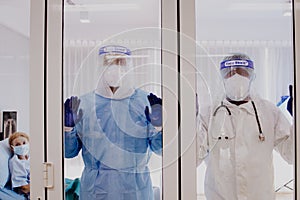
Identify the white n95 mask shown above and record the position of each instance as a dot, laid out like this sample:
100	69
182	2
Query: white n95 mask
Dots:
237	87
21	150
113	75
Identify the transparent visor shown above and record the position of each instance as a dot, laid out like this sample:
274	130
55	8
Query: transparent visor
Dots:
115	64
241	67
115	59
93	67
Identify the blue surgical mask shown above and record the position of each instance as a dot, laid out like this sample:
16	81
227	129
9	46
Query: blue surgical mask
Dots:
21	150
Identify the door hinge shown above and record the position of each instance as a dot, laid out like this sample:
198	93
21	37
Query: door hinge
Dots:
48	175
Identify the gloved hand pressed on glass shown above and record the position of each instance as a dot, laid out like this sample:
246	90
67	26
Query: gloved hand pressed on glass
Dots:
155	117
72	114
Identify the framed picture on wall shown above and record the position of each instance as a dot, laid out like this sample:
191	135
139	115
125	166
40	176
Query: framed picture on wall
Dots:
9	123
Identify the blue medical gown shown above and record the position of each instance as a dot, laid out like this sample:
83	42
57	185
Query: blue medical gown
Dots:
116	142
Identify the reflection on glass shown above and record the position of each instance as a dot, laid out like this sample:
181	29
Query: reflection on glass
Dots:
113	137
14	102
245	123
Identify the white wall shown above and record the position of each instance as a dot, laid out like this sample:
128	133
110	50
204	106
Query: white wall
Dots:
14	76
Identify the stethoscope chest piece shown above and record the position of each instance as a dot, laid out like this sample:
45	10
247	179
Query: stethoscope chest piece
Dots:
261	137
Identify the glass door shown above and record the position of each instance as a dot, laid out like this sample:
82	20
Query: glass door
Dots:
112	137
245	84
112	64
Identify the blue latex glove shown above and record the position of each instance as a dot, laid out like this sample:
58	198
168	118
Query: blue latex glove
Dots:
282	100
72	114
289	106
155	117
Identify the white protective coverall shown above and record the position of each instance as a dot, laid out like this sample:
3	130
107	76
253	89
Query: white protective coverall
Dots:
239	165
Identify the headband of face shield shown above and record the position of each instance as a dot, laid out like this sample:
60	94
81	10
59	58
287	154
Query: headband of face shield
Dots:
116	62
114	49
242	67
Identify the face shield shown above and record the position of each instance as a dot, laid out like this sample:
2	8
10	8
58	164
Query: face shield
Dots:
242	67
115	63
237	75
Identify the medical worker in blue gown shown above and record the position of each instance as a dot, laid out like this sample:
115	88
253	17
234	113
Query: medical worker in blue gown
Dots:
113	126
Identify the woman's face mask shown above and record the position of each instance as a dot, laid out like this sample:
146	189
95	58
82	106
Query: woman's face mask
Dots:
21	150
237	87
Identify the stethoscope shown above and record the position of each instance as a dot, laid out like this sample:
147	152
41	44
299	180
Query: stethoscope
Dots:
261	135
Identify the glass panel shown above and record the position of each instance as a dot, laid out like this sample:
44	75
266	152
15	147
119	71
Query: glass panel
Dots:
111	65
14	103
244	54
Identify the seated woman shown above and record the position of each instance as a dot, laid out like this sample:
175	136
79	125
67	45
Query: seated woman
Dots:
19	164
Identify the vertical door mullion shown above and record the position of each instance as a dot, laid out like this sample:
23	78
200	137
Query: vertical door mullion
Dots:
170	99
54	128
37	89
297	93
188	99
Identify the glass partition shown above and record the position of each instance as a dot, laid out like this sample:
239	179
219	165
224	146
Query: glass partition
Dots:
244	84
112	90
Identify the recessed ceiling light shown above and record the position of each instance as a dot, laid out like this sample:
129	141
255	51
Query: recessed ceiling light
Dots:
84	17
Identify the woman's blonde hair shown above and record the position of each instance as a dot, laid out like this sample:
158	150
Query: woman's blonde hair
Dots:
15	135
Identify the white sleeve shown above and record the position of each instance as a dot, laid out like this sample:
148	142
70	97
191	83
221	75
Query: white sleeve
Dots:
284	138
202	139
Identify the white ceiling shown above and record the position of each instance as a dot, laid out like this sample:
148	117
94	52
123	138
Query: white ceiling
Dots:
110	17
244	20
216	19
15	15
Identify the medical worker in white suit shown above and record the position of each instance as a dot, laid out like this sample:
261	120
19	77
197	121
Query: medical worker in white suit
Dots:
236	138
